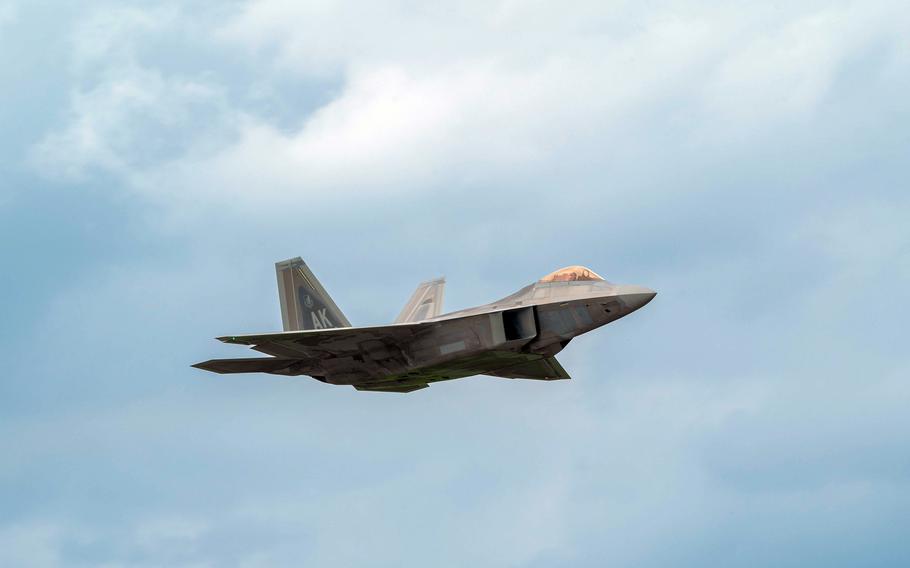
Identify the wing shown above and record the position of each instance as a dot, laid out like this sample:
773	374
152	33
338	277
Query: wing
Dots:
274	365
425	302
391	388
352	355
340	341
344	350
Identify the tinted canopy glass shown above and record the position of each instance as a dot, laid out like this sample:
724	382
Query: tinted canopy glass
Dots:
571	274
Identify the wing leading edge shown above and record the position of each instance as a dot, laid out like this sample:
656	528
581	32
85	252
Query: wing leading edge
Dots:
296	344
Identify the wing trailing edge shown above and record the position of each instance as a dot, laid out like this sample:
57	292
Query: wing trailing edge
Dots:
391	388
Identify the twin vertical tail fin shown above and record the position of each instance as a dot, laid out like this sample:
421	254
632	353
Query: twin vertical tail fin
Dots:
304	302
425	302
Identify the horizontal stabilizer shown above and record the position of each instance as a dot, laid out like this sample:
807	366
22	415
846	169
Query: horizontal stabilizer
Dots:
390	388
254	365
546	369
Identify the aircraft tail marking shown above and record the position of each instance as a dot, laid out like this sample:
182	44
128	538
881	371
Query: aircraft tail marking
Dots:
304	302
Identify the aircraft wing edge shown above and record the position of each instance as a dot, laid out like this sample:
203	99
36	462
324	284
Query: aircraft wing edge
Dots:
254	338
391	388
543	369
246	365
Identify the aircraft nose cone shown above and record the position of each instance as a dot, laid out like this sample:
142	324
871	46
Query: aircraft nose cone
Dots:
637	296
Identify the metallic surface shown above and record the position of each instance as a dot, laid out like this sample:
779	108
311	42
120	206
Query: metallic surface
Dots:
304	302
515	337
425	303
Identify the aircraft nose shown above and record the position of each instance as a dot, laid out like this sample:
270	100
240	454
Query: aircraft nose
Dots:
637	296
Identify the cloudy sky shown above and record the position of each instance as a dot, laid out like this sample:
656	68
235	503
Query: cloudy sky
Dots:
750	161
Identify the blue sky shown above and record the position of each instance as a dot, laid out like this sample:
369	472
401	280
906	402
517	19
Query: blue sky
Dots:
749	162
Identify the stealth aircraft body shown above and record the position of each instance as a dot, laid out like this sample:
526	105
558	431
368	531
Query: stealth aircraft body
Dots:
516	337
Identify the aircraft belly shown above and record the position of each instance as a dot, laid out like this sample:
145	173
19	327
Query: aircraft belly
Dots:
501	363
442	351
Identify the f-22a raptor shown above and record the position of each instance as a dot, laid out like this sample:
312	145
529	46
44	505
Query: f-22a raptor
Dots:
516	337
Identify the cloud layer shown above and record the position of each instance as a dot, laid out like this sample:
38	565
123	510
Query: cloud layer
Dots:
748	162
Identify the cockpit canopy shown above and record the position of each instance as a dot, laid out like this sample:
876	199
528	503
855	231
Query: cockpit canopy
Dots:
571	274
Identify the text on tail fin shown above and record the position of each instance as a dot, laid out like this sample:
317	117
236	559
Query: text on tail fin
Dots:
305	304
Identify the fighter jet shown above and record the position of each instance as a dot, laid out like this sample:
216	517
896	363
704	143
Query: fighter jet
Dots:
516	337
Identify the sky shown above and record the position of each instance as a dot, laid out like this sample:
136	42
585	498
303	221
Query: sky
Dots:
749	161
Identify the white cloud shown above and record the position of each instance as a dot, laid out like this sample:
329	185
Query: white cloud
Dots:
30	544
431	97
785	71
7	13
144	543
632	460
111	36
129	123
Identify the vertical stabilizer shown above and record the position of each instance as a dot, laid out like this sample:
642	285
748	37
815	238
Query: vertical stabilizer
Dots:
304	302
425	302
